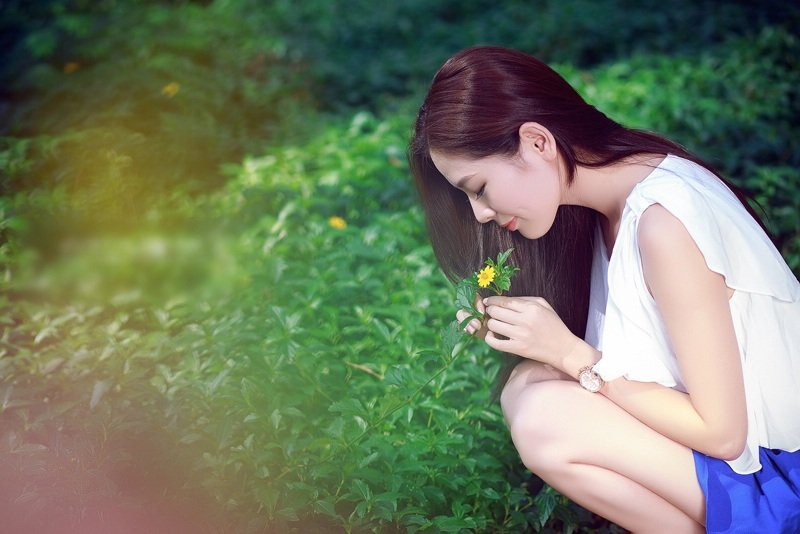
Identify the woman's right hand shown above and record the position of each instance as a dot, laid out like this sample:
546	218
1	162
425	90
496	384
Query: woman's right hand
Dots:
474	327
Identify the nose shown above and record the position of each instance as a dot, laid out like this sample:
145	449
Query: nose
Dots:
482	212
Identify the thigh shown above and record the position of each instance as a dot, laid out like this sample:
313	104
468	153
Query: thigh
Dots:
556	422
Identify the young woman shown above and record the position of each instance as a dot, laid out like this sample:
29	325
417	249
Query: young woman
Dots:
654	329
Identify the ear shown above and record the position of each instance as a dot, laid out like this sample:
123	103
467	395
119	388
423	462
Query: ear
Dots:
538	139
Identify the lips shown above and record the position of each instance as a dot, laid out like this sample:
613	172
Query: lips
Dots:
511	225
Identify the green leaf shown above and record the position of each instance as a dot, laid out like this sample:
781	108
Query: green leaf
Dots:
452	334
384	510
566	515
396	375
275	418
368	460
362	424
465	294
545	502
490	493
416	519
384	331
503	256
325	507
452	524
347	407
362	489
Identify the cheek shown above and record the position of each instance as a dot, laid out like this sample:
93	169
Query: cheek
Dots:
538	198
539	203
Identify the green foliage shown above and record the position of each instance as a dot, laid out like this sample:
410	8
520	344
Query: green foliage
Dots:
357	54
366	299
297	365
316	392
123	119
284	345
777	195
135	99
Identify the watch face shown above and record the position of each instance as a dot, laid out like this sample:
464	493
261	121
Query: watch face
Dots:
591	381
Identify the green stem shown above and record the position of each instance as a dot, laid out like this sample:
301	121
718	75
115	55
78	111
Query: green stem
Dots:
403	403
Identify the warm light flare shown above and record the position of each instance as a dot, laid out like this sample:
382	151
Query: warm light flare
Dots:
171	89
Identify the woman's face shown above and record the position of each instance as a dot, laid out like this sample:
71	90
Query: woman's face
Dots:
518	193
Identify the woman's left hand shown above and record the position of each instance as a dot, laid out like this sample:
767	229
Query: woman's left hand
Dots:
534	330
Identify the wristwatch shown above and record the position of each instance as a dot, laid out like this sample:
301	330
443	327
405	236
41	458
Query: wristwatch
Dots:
589	380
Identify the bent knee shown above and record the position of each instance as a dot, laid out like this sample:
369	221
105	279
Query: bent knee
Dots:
512	388
526	373
541	424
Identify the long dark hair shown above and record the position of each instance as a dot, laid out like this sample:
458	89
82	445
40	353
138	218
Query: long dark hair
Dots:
474	108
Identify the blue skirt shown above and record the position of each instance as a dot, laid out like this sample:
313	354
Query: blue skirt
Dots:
767	501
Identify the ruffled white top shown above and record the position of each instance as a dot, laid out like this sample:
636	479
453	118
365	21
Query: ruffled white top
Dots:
624	322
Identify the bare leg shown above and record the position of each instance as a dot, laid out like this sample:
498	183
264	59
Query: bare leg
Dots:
600	456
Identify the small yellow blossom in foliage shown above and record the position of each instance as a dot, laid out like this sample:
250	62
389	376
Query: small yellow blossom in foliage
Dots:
495	275
171	89
337	222
71	67
486	276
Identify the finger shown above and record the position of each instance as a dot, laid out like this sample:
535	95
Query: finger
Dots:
471	327
498	300
506	315
504	329
538	300
493	341
543	302
510	303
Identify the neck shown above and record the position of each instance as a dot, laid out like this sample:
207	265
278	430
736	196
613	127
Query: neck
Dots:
605	189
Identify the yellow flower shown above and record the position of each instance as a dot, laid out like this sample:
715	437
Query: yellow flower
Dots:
486	276
171	89
71	67
337	222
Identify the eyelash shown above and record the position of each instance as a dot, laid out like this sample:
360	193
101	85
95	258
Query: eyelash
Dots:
480	192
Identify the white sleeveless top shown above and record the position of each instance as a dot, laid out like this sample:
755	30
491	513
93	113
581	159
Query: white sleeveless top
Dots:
625	324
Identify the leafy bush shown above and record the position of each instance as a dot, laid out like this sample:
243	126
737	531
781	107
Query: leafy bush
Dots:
300	371
281	350
306	394
357	54
124	103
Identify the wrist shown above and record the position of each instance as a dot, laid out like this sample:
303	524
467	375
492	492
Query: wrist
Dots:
582	355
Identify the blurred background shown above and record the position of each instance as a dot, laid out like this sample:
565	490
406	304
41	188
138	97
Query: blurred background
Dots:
219	310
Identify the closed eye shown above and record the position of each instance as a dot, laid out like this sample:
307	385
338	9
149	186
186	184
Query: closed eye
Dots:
480	192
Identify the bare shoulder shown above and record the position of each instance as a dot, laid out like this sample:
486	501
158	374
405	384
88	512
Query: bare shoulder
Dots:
670	257
661	234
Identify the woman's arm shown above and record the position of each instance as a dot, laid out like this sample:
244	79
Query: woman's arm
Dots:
693	302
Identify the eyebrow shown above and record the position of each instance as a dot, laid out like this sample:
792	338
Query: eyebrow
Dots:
464	180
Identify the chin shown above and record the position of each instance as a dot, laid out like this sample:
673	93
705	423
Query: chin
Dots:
534	233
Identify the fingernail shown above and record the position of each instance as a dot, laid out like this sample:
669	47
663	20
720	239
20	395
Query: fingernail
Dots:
475	324
484	301
469	329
